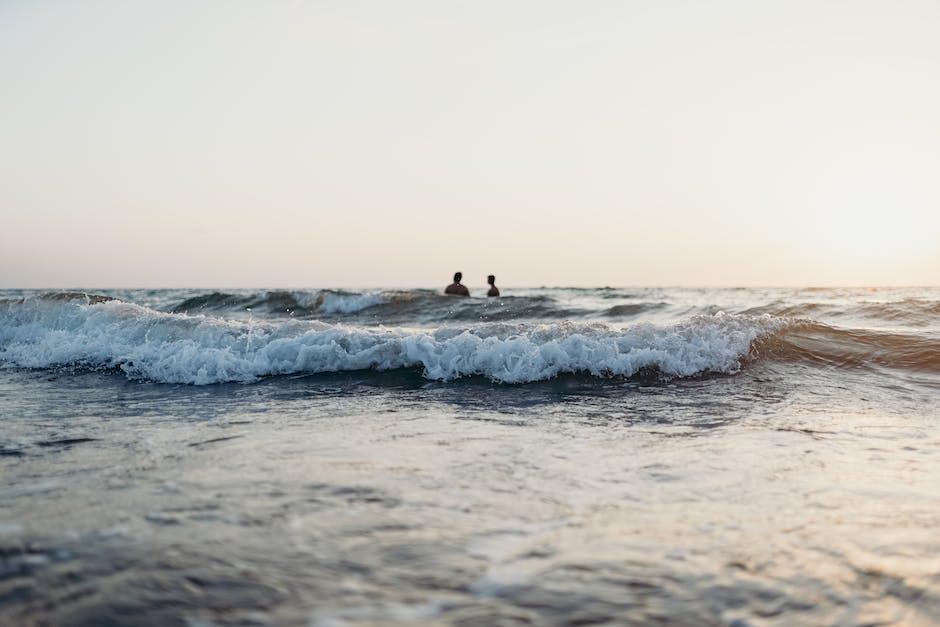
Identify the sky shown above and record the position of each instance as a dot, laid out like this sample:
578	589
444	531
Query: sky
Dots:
249	143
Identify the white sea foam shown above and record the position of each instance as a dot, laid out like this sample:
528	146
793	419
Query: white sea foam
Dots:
178	348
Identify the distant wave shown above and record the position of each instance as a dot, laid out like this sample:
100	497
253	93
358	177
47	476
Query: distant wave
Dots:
910	311
394	306
279	301
213	301
430	307
633	309
198	349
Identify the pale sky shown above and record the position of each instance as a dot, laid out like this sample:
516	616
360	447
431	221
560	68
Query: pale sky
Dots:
390	143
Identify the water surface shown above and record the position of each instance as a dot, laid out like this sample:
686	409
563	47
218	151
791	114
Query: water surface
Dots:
555	456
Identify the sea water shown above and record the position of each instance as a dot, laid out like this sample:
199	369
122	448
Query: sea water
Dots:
553	456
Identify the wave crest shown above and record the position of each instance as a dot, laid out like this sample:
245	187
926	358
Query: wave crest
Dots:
195	349
823	345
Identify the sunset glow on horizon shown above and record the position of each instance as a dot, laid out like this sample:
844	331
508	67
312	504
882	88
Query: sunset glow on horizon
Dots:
367	144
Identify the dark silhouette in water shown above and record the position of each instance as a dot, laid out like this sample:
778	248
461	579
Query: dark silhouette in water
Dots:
494	291
456	287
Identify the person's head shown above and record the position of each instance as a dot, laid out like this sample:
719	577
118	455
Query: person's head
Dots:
458	276
491	280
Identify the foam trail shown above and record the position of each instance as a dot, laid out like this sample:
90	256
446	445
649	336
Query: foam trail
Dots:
179	348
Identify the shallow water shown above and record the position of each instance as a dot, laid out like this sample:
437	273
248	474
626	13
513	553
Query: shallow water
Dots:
793	484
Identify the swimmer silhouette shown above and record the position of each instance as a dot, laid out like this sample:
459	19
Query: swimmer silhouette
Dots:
494	291
456	288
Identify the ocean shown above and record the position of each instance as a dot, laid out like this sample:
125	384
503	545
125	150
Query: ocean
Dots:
551	457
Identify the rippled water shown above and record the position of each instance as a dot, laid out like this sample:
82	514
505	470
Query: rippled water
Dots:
794	482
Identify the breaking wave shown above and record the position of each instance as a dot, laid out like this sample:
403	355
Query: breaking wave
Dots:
98	333
852	348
